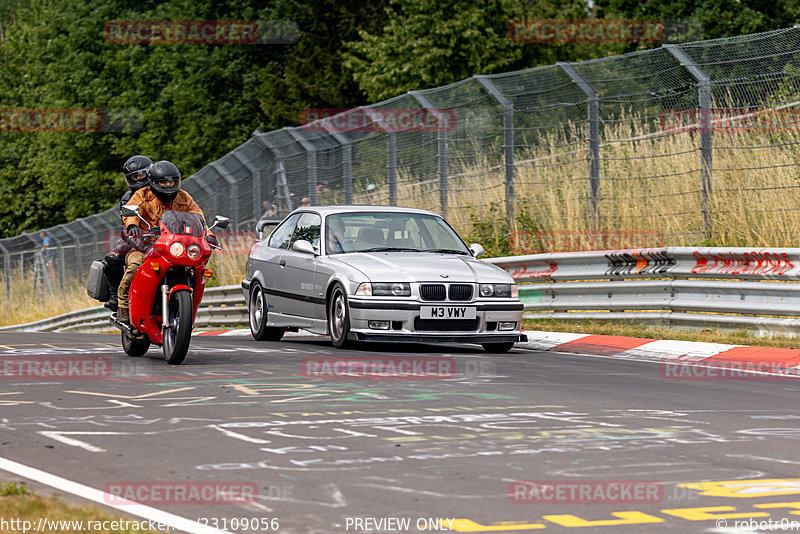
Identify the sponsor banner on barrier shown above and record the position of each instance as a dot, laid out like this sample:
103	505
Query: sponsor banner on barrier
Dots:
55	368
585	491
380	368
378	120
203	32
754	262
180	493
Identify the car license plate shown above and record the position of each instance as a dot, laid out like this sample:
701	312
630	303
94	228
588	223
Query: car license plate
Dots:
447	312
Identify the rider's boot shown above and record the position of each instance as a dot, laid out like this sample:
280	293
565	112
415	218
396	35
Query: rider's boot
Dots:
123	316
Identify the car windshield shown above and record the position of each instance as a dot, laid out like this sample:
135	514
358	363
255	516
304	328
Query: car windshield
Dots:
390	232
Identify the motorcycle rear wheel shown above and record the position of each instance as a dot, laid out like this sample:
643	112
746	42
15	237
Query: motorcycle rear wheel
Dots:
177	332
134	347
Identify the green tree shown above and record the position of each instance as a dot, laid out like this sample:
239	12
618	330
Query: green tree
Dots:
427	43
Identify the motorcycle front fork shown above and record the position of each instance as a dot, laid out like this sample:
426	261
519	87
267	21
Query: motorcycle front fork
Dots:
164	309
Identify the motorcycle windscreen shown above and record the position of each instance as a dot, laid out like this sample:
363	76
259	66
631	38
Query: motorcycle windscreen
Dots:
184	223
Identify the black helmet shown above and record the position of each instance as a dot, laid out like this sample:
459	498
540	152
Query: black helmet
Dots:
135	171
165	180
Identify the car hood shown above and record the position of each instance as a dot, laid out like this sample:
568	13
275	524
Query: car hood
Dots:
423	267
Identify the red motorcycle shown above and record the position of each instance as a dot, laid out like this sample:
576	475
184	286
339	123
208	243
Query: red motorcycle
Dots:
167	288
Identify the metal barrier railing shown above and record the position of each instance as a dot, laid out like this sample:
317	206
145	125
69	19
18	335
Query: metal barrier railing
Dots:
723	288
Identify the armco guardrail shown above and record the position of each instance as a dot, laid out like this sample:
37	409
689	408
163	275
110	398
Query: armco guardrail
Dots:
724	288
221	306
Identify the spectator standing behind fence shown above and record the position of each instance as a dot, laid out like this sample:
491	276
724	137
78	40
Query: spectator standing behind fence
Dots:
270	211
305	201
48	252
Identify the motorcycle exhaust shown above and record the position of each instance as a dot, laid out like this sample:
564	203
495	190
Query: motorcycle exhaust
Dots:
164	310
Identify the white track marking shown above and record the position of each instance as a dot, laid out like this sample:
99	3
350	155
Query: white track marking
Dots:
101	497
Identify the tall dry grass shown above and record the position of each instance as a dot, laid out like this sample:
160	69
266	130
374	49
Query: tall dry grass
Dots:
650	191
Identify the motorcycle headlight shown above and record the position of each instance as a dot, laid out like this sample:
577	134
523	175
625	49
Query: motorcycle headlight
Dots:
193	251
176	249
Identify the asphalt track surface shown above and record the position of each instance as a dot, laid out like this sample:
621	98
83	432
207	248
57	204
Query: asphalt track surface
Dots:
349	454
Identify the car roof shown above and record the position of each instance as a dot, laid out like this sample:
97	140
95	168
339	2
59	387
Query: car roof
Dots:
330	210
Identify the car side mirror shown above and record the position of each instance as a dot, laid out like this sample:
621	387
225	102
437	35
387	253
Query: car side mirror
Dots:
476	249
130	210
301	245
220	222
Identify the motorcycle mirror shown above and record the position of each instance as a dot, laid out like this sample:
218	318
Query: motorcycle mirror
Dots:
220	222
130	210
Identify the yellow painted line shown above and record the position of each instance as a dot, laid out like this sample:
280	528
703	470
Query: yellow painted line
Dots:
623	518
467	525
746	489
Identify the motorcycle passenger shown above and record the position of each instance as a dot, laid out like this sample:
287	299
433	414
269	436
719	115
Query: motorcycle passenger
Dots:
164	193
135	173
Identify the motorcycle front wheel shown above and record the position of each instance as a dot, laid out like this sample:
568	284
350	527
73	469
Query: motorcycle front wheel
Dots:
177	330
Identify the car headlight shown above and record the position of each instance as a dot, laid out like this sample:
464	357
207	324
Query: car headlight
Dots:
384	289
499	290
193	251
176	249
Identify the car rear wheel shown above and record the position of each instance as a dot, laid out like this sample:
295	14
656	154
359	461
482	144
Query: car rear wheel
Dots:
498	348
338	317
257	310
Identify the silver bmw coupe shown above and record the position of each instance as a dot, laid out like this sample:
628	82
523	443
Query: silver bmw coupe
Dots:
378	273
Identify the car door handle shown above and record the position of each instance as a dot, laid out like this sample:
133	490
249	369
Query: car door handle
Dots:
282	263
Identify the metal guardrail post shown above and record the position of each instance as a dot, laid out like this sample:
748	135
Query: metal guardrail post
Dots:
443	122
704	104
311	152
347	161
508	139
593	116
7	269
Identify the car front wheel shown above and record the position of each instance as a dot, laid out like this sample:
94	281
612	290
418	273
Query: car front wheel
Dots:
257	310
338	317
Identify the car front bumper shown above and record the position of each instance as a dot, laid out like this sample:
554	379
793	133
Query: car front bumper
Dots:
405	323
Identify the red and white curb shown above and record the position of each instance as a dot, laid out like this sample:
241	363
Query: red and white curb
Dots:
741	357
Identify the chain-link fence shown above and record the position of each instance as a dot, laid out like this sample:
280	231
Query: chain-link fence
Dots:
681	145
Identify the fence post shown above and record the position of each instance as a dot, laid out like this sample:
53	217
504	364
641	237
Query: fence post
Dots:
233	194
7	269
89	227
347	161
311	154
78	255
508	140
593	116
391	165
212	195
443	122
256	185
704	104
61	260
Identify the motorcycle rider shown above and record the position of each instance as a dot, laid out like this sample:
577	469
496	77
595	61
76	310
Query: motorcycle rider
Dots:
135	173
164	193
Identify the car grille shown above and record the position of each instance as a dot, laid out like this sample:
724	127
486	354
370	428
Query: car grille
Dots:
432	292
460	292
445	325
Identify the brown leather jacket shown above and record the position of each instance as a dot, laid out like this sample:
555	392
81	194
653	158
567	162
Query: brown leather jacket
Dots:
151	208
